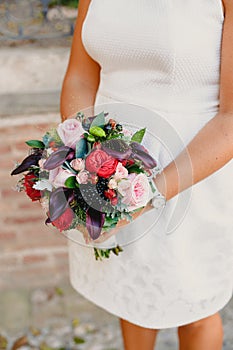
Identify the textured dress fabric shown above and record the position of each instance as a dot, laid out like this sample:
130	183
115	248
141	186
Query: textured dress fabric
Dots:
163	55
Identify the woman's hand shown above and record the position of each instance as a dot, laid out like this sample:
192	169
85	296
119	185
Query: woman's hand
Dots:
122	223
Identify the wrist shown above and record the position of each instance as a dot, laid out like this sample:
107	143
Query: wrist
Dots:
158	199
160	184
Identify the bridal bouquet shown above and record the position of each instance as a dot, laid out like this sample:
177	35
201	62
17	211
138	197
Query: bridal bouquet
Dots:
89	172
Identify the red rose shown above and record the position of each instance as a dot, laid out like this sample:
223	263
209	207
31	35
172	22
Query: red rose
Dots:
29	181
124	162
130	162
110	193
108	168
127	162
95	159
97	145
114	200
64	221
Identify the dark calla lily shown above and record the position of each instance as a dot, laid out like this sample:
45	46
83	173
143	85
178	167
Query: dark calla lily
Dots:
59	201
94	222
29	161
98	119
136	146
48	221
148	161
139	153
58	157
86	122
117	148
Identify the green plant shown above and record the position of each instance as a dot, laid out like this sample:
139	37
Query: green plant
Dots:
68	3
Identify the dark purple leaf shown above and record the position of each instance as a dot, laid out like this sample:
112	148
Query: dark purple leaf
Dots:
86	122
137	147
98	119
58	157
140	153
48	221
94	222
148	161
117	148
29	161
59	201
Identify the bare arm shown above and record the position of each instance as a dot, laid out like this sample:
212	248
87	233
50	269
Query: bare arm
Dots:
212	147
83	73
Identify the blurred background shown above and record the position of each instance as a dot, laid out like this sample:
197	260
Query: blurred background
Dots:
38	307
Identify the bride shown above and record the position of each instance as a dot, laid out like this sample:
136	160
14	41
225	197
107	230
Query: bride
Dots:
174	57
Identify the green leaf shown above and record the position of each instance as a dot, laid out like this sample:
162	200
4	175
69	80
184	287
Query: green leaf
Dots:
99	120
138	135
78	340
35	144
81	148
110	222
71	182
97	131
135	169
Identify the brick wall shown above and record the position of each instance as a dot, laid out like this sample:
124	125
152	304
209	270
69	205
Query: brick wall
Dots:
30	252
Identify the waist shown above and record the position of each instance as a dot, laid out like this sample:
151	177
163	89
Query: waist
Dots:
164	103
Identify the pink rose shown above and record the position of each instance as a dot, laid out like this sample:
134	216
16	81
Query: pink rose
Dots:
140	191
125	189
58	177
121	172
78	164
70	132
82	177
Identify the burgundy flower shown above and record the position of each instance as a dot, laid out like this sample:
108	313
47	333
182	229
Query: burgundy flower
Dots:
29	181
64	221
127	162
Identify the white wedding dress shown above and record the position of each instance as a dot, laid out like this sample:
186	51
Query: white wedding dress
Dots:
163	55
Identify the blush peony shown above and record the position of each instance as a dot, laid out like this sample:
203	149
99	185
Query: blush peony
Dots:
140	192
